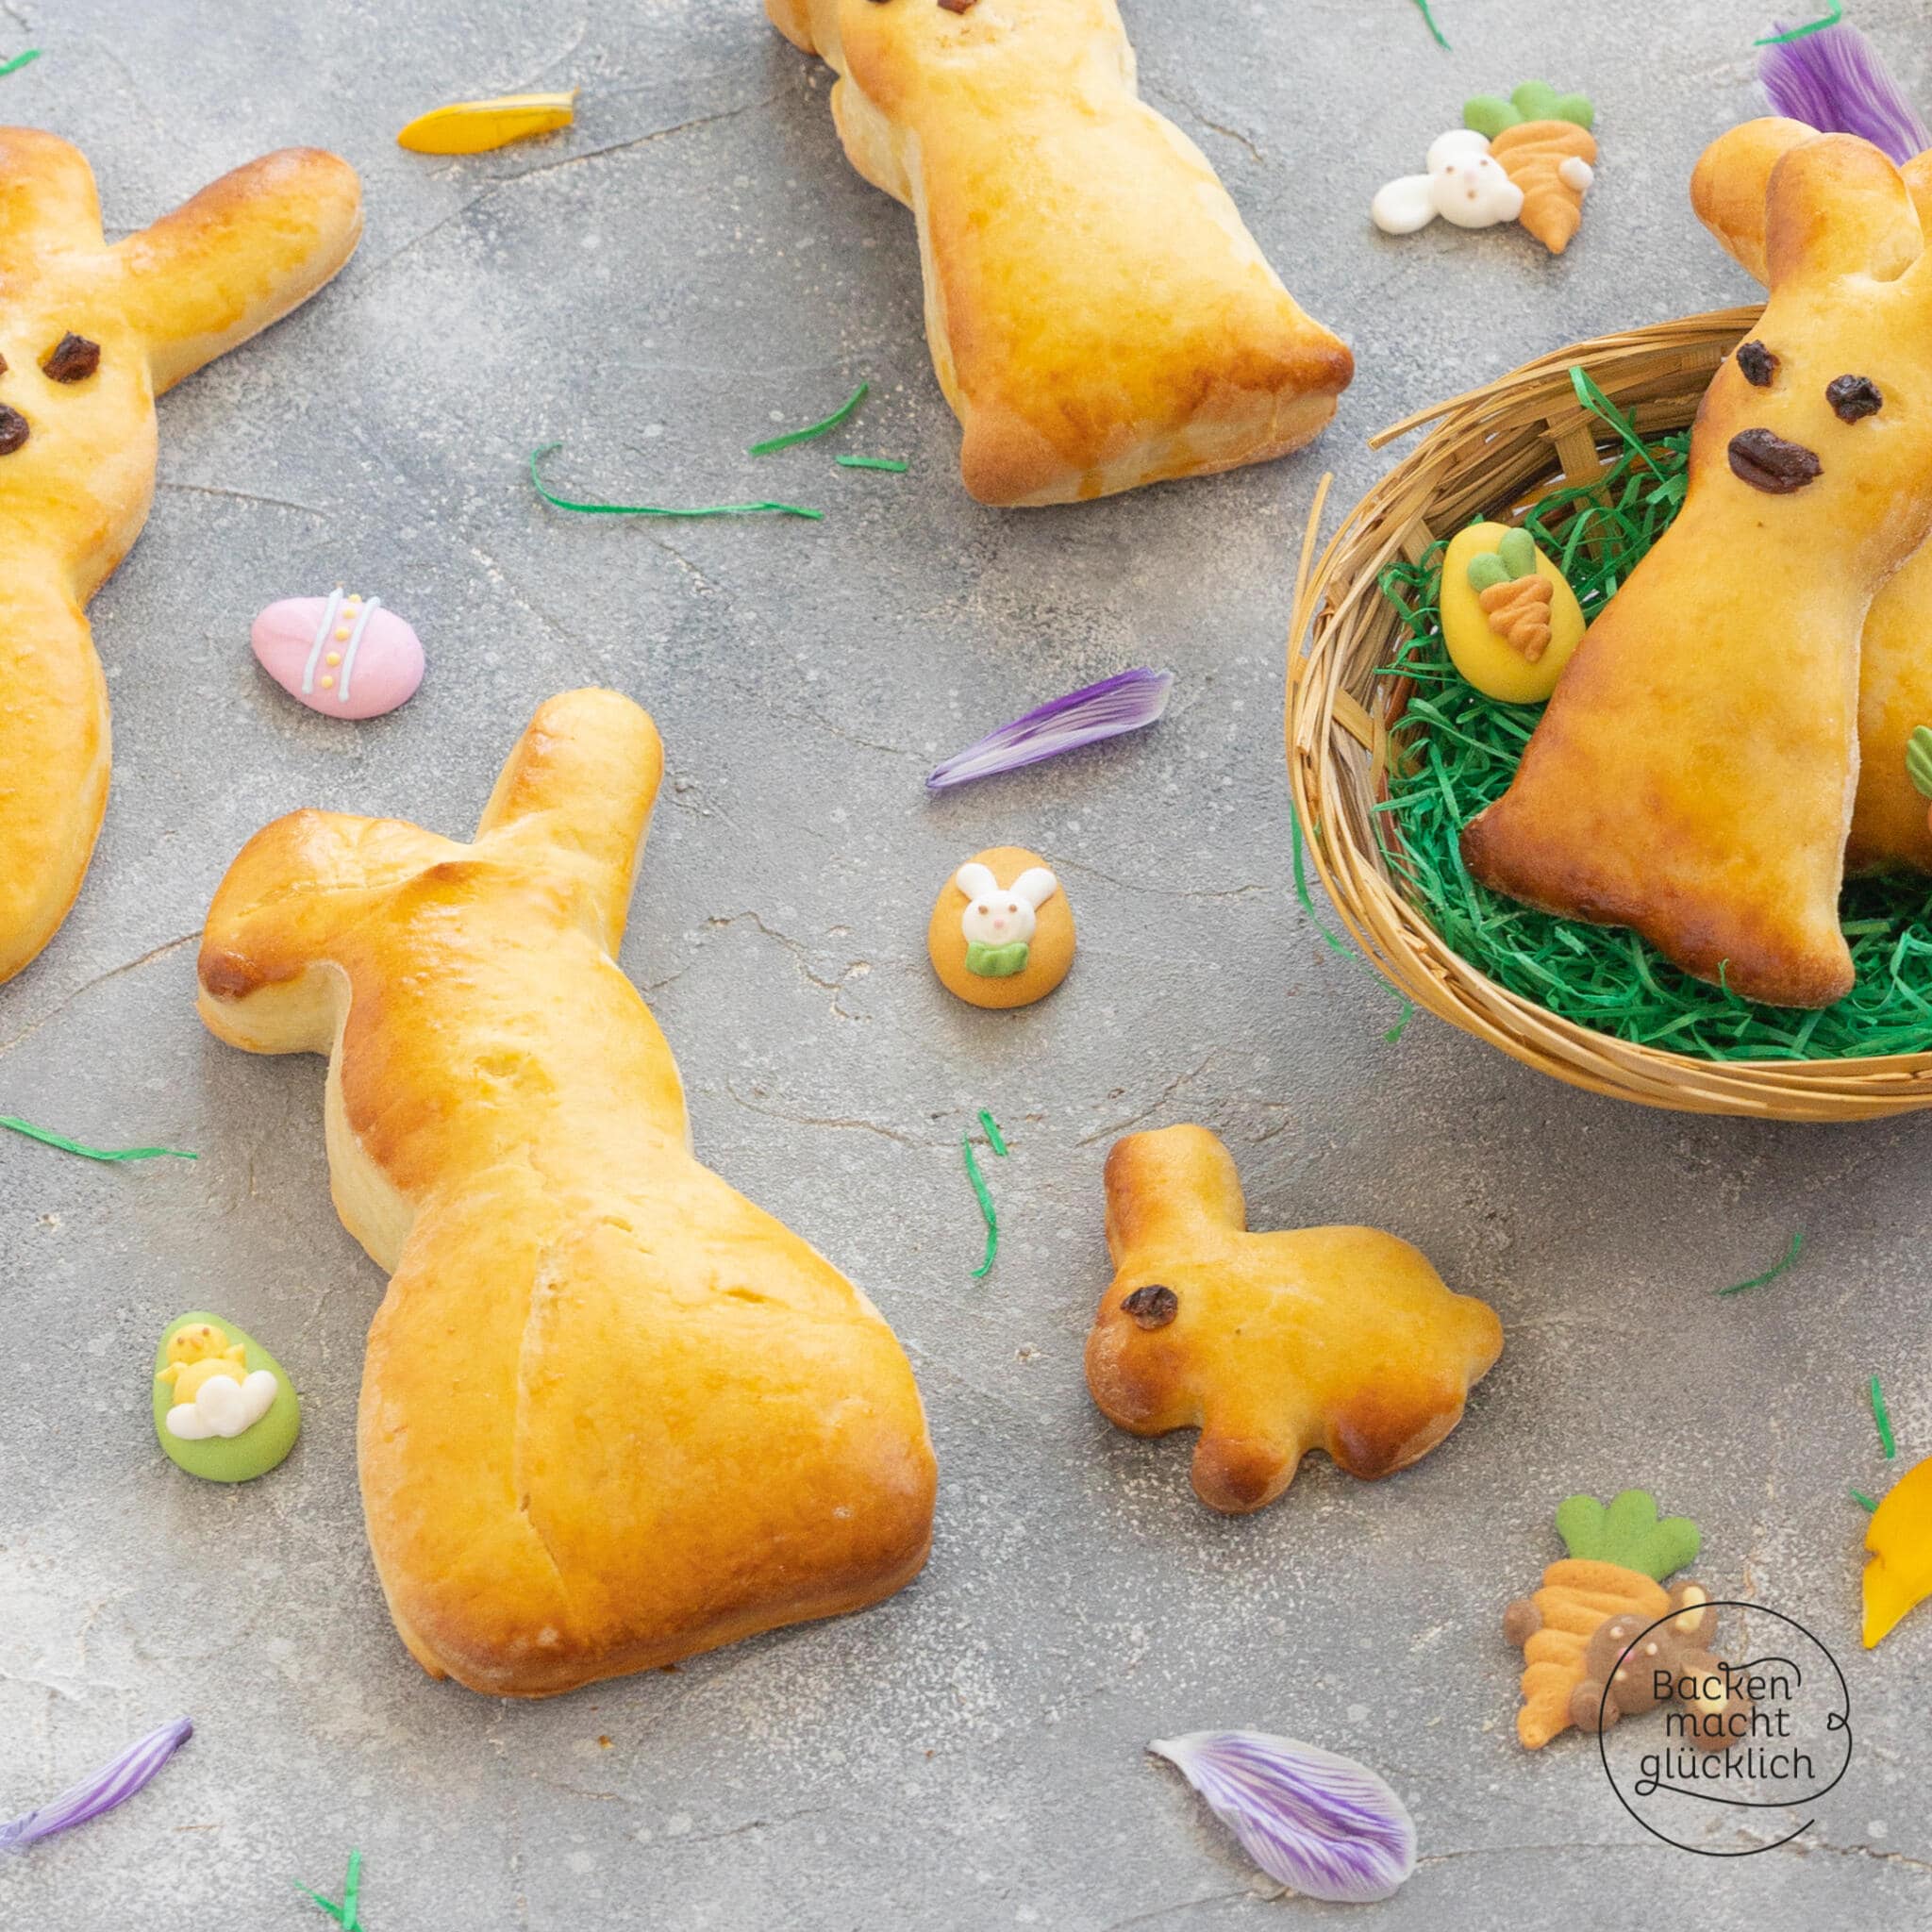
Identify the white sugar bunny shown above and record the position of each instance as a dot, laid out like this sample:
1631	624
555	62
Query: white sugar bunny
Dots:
998	918
1465	185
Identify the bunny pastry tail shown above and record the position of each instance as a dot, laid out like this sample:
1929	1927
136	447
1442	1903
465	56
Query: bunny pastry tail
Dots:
101	331
612	1413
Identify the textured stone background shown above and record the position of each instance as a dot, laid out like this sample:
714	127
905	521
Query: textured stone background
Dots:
692	263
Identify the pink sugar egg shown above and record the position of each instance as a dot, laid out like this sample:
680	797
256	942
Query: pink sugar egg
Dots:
345	656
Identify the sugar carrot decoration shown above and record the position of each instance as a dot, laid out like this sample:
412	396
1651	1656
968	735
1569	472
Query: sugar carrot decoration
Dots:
1515	596
1578	1632
1542	141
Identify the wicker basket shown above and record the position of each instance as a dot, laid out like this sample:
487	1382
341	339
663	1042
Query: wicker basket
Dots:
1496	452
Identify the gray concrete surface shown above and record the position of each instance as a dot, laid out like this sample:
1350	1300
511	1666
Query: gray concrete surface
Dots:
691	264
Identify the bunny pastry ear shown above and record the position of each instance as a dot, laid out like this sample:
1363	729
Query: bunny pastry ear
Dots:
1036	884
579	786
1837	208
47	196
975	880
1730	180
238	256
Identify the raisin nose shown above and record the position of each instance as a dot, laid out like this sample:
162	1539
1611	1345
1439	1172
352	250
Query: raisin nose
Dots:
13	430
1769	463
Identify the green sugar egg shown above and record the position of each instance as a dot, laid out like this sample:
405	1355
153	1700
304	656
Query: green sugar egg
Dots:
264	1438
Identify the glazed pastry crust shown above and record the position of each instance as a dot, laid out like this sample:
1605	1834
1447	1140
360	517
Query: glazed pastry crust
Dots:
612	1414
73	497
1339	1338
1693	776
1890	827
1098	314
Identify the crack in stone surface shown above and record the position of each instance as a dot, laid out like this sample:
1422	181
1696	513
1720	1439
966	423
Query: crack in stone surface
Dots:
556	166
87	986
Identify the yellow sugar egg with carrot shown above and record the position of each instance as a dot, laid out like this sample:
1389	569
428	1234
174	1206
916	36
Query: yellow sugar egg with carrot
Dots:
1510	618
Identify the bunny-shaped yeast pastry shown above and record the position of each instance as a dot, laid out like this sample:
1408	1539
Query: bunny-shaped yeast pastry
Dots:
1890	827
1341	1339
612	1413
88	336
1693	777
1098	315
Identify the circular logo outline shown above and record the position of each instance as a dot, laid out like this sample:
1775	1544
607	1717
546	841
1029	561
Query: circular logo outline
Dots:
1833	1723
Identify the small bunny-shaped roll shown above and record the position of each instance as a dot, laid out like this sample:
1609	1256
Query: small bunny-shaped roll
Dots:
1339	1339
1099	316
612	1413
88	336
1693	775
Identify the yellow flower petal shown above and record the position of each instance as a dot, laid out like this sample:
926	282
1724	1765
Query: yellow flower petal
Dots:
474	127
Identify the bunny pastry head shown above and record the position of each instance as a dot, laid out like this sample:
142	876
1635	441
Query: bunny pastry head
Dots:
1001	945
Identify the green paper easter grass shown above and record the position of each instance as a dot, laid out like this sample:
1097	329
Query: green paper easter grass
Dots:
1787	1261
1627	1530
1830	17
1421	6
1453	751
983	1194
1881	1418
812	431
232	1458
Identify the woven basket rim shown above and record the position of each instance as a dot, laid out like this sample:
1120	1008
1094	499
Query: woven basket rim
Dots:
1497	448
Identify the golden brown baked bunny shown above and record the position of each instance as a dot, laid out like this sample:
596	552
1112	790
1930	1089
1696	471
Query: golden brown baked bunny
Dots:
1693	776
612	1414
88	336
1098	315
1341	1339
1889	829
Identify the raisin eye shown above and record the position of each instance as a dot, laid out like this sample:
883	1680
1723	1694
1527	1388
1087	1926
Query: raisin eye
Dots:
1152	1307
74	360
1853	397
1757	364
13	430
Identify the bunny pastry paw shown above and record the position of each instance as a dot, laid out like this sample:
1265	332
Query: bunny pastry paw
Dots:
1001	934
1339	1339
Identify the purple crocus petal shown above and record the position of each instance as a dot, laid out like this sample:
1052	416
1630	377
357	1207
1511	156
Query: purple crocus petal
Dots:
1115	704
1834	80
114	1783
1319	1823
